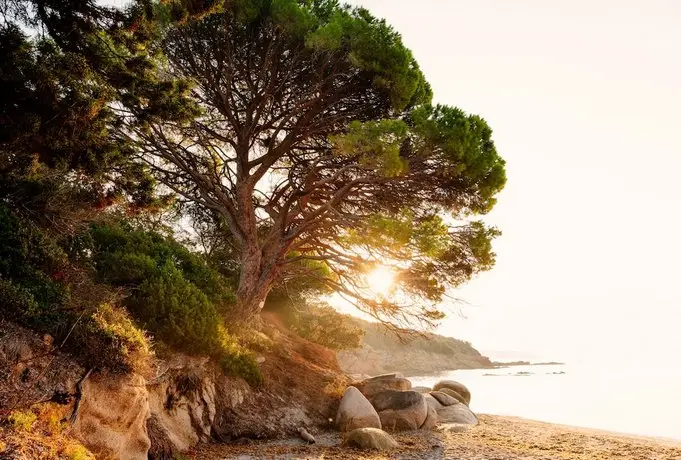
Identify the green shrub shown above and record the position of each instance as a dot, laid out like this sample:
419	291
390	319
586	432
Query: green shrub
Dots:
173	293
176	312
237	360
125	256
29	262
108	338
17	302
121	268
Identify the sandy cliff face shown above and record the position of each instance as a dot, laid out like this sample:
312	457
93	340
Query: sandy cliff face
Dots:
112	416
187	401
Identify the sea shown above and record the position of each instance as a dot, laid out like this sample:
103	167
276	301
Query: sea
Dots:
625	399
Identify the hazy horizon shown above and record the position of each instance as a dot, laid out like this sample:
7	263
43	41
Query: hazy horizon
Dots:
583	100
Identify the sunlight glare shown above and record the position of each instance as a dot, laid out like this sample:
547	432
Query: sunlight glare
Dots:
381	280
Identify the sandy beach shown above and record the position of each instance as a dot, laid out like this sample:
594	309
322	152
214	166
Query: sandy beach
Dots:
495	438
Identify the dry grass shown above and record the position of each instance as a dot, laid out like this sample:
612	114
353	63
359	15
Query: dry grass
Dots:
41	433
335	388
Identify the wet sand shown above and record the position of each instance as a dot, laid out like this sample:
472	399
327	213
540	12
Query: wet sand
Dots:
495	438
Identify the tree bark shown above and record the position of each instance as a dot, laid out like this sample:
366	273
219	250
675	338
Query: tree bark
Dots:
253	285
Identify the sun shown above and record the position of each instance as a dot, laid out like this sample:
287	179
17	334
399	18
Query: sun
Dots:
381	280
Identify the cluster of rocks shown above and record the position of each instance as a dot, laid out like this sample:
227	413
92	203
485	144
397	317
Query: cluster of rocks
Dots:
388	402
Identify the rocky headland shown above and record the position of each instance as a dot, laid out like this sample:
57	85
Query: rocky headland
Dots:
383	352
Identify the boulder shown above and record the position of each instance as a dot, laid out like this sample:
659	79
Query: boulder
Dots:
421	389
444	398
432	402
369	438
374	385
355	411
453	394
457	387
400	410
458	413
431	420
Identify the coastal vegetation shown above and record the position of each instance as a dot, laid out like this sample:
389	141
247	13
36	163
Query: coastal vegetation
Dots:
296	140
170	171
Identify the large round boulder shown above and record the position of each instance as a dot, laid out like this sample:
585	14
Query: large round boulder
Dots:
369	438
444	398
375	385
458	413
453	394
355	411
400	410
460	388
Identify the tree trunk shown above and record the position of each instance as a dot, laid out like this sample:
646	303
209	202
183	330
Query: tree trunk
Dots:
252	290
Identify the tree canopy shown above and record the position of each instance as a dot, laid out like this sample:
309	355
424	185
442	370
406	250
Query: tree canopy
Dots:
316	145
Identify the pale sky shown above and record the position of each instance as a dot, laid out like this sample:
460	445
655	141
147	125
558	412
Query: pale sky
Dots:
584	99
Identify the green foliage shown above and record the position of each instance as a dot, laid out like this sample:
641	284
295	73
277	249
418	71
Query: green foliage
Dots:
102	337
127	257
29	262
375	144
324	325
173	292
471	168
238	361
56	119
176	312
109	339
366	43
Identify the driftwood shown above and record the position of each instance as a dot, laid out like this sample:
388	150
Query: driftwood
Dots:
306	435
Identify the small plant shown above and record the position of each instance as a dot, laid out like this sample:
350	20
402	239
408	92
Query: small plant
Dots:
335	388
111	340
237	360
78	452
22	421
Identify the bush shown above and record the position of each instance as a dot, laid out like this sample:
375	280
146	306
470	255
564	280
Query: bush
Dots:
29	262
173	293
108	338
238	361
125	256
176	312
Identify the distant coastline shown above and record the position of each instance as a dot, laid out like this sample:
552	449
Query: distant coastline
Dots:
421	354
500	364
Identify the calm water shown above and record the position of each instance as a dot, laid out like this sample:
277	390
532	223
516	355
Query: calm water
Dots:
644	402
